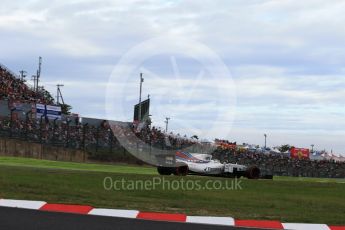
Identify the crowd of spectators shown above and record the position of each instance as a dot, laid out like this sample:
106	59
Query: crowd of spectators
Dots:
283	165
73	134
14	89
59	133
160	139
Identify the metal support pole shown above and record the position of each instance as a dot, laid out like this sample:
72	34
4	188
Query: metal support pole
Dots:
33	78
22	74
166	124
141	84
265	140
38	75
59	94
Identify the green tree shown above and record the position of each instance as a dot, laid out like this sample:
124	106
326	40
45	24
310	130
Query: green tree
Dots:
46	95
284	148
66	109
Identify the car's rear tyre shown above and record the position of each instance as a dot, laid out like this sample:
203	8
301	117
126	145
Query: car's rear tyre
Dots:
253	172
181	170
165	171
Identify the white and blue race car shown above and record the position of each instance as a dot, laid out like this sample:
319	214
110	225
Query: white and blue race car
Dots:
203	164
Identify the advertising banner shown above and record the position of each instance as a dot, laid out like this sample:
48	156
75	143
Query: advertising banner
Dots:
50	111
225	144
40	110
53	112
299	153
17	106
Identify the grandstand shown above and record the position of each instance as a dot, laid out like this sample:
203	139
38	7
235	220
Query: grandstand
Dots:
19	120
14	89
280	164
99	139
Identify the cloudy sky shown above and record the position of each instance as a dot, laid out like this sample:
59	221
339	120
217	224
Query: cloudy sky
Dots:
229	69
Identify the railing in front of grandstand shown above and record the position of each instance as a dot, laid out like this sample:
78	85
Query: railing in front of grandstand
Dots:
63	134
100	143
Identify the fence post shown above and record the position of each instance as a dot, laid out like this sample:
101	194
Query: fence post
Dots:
54	128
84	141
11	121
27	124
67	136
97	138
111	140
41	129
84	135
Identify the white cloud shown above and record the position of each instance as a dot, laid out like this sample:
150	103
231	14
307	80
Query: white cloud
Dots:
287	58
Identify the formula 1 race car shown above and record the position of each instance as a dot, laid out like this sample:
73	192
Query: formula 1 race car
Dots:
203	164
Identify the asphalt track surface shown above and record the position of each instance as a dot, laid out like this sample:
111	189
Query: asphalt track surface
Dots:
15	218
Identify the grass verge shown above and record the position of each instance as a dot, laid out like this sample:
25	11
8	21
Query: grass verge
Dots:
284	199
